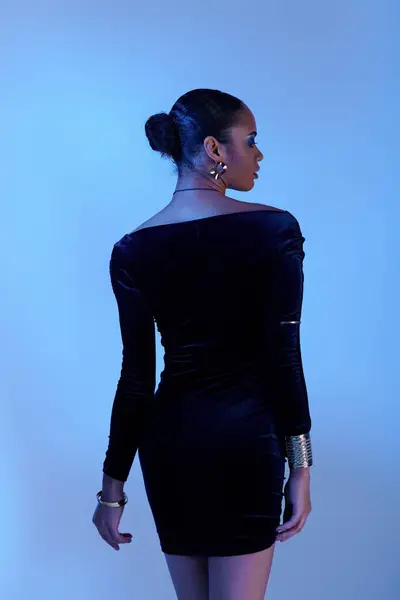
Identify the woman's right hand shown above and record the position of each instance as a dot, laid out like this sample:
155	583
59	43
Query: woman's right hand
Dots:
297	504
107	520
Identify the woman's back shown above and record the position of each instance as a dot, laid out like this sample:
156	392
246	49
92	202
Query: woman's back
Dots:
208	284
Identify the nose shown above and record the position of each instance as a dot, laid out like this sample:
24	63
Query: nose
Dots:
260	156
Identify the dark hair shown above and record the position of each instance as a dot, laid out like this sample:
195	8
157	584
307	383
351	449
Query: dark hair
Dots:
196	115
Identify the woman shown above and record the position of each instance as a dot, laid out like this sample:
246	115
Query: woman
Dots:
223	281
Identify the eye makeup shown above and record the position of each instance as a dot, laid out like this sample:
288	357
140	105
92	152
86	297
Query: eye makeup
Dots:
251	139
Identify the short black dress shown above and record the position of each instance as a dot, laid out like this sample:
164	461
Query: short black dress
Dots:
223	292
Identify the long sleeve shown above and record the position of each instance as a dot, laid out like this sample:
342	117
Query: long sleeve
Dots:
288	287
136	385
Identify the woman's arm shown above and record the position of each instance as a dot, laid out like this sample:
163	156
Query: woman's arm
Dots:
292	390
135	389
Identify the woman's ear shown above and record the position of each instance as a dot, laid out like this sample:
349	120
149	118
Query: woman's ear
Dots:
213	148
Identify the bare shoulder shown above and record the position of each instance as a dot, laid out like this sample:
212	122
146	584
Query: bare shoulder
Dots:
259	206
170	215
157	219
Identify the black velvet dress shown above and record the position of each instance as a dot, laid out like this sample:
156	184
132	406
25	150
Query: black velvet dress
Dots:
210	439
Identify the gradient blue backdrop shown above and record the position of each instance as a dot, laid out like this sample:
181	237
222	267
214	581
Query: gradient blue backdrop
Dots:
78	81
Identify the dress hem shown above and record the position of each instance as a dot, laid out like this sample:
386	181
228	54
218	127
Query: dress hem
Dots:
248	548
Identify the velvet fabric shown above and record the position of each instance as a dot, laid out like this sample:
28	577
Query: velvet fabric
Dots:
210	439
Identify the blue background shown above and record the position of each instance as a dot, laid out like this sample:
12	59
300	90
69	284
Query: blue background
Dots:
78	81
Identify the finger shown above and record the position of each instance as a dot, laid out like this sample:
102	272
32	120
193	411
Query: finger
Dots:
298	527
294	531
107	538
285	534
289	524
284	537
117	537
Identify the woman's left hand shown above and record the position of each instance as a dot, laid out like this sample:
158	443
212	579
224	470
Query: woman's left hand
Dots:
107	520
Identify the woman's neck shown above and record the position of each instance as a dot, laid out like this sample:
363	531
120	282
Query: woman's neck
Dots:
193	181
197	194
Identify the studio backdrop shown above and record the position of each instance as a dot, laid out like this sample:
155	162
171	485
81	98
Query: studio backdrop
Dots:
78	81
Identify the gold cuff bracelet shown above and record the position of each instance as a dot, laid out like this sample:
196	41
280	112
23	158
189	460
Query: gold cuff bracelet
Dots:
299	451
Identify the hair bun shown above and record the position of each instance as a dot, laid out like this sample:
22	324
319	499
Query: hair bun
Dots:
163	134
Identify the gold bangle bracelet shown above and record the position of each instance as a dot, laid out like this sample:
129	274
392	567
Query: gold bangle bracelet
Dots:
299	451
112	504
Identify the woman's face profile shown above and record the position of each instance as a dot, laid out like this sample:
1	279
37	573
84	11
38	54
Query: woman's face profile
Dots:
243	154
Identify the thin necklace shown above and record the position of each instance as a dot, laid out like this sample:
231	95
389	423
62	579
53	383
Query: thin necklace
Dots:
193	189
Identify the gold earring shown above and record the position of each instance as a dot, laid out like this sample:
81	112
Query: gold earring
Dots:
218	170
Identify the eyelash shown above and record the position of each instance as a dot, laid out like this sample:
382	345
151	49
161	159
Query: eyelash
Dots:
254	143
